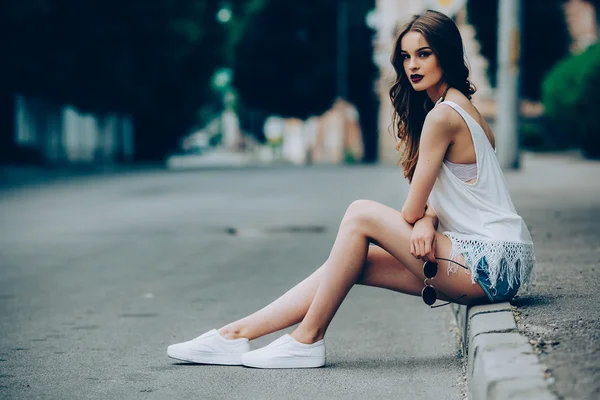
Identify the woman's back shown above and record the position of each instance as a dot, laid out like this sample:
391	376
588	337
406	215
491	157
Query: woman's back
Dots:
479	217
462	150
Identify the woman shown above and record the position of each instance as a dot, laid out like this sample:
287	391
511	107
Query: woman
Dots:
457	209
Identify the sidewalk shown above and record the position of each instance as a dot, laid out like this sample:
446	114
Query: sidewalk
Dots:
548	346
31	175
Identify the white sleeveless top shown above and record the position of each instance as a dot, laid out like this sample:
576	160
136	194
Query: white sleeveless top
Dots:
480	218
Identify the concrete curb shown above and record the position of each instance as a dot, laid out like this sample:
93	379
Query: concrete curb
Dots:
501	363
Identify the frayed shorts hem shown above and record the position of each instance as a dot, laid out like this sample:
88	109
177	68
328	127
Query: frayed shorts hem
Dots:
501	292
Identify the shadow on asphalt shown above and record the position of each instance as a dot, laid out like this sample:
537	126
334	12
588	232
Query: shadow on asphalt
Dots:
397	363
365	363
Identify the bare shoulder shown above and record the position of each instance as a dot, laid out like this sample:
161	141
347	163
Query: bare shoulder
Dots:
442	118
466	104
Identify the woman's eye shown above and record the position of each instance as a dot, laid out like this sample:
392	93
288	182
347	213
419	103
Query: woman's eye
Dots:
405	56
424	55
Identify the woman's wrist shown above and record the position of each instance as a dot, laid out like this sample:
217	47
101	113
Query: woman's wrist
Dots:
431	219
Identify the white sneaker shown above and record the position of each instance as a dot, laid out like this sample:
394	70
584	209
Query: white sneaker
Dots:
210	348
287	352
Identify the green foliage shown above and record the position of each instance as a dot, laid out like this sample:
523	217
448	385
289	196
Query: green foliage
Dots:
572	100
531	135
215	140
541	134
544	39
244	12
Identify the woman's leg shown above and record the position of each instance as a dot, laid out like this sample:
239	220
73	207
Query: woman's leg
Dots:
287	310
380	270
367	221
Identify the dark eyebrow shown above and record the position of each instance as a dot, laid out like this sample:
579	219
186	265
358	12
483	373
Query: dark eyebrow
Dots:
422	48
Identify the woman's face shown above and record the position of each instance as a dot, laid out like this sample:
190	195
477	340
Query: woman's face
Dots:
420	62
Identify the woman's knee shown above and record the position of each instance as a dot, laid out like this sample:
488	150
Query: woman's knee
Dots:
359	212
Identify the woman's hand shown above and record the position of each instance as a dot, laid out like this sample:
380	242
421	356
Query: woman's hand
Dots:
422	241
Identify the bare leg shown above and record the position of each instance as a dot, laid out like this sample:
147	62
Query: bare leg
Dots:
287	310
365	221
381	270
396	270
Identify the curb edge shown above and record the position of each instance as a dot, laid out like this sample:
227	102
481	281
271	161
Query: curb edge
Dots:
501	363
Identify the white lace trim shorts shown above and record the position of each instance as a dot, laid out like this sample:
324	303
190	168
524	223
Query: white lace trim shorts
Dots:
499	267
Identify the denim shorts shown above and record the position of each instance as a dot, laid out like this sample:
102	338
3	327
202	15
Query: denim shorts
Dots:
499	293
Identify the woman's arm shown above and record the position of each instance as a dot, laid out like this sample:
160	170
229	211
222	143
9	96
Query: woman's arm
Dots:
422	240
430	216
437	135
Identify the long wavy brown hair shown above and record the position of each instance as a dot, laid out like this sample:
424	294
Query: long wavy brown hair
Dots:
410	106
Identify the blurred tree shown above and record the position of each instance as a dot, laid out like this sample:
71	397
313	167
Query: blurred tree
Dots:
243	14
571	101
150	59
154	59
545	39
285	61
362	74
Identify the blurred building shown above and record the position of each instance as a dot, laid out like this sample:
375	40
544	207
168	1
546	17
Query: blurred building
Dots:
582	22
338	137
295	146
55	134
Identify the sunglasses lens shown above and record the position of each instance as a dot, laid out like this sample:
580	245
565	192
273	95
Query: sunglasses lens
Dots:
429	295
430	269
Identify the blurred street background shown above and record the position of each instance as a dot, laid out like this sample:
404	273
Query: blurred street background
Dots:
191	83
178	151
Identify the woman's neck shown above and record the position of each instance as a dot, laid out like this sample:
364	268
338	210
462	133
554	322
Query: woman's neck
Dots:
438	92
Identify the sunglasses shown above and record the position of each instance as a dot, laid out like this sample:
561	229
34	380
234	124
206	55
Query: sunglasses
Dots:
429	295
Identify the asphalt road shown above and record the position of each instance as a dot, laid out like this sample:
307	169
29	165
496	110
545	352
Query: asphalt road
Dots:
99	274
559	197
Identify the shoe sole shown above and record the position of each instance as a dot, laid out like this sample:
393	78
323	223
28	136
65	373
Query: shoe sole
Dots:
304	362
208	358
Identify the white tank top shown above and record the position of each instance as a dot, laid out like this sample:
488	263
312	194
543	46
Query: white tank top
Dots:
480	218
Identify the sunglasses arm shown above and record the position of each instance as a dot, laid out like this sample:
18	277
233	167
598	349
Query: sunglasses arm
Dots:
452	261
452	301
